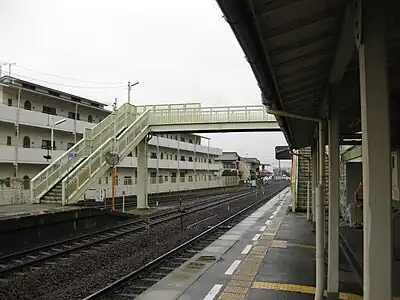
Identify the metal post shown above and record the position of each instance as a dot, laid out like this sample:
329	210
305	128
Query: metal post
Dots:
51	142
334	202
208	162
314	153
308	189
320	231
279	170
76	116
129	92
112	188
179	162
376	147
158	167
123	202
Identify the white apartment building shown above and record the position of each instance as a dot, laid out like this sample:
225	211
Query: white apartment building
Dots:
28	111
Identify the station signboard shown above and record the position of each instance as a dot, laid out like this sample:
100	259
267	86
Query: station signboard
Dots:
283	153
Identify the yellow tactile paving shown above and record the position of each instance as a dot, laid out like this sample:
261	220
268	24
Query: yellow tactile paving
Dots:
236	289
242	283
231	296
243	277
297	288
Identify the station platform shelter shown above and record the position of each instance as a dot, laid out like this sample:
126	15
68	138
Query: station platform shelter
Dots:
329	71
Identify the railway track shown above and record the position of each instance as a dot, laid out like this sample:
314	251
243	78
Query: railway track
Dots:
136	282
21	262
166	200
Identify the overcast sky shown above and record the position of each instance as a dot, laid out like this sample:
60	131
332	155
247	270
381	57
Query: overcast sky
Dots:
179	50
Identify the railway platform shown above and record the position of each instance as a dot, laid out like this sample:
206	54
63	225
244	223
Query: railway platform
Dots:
23	210
269	255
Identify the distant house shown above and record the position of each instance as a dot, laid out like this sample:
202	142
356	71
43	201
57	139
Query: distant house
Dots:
234	165
230	163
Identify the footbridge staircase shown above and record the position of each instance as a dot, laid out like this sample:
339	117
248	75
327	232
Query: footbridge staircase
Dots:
66	179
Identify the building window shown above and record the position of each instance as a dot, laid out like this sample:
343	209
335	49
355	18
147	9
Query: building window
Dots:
176	137
190	142
90	119
190	158
153	155
26	143
25	182
161	155
209	178
7	182
183	158
27	105
190	178
165	178
70	145
8	140
182	176
135	151
49	110
182	139
209	160
127	180
100	180
160	179
173	177
46	144
176	156
130	154
71	115
153	177
9	102
106	180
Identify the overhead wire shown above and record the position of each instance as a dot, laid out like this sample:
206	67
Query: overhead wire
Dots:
69	85
68	78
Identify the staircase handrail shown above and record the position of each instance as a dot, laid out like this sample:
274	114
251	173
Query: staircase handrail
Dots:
211	115
54	170
97	158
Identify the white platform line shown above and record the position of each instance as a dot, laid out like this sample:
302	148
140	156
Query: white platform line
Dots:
256	237
213	292
233	267
262	228
246	249
268	222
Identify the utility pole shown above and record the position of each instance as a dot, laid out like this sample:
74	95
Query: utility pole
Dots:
9	67
115	104
129	90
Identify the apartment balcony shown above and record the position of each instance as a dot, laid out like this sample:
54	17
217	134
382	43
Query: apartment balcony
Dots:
130	162
26	155
35	156
39	119
168	143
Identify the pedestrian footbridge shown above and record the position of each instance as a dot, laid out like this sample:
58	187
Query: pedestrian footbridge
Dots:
67	178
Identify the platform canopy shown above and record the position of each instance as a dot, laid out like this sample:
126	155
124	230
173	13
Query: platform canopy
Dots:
304	51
